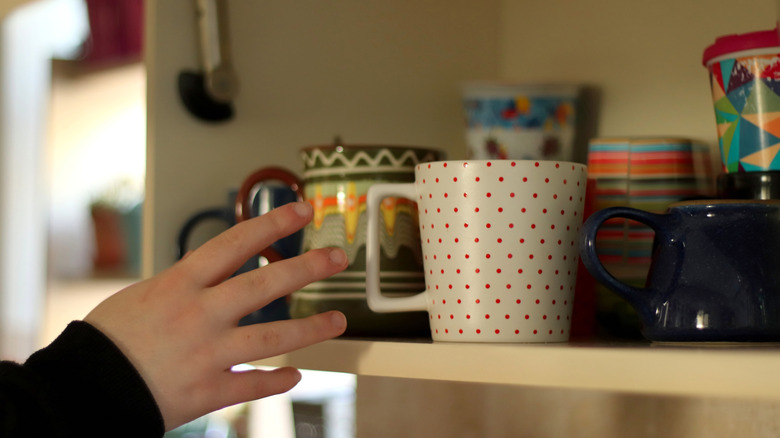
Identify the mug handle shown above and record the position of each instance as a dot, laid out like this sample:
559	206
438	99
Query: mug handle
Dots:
376	301
221	214
244	199
638	297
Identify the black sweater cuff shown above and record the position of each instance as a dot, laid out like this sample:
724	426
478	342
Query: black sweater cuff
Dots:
93	388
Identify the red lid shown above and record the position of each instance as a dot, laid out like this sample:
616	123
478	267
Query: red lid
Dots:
738	42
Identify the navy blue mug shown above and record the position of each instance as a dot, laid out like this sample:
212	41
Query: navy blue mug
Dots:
714	275
223	214
264	198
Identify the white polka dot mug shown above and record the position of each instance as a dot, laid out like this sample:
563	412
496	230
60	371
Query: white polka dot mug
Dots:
500	252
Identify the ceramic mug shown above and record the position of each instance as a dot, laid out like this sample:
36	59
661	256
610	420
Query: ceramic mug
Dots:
499	243
713	275
520	121
335	181
648	173
263	200
223	214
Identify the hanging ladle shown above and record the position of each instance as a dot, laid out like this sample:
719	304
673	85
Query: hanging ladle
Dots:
208	95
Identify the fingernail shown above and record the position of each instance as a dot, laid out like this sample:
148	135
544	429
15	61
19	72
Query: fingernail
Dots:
338	320
297	376
337	256
303	208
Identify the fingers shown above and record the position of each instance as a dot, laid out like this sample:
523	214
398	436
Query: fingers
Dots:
260	341
243	386
221	256
243	294
229	387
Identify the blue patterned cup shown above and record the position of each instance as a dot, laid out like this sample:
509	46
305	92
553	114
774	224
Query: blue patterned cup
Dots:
520	121
713	275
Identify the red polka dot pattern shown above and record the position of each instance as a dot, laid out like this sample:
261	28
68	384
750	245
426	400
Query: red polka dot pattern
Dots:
501	258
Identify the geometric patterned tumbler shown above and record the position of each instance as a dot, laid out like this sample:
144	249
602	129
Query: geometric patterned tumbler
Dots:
745	79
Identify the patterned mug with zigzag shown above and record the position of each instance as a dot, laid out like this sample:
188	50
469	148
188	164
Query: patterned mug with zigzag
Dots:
335	181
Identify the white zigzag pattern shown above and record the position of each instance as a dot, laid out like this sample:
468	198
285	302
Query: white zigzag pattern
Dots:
310	160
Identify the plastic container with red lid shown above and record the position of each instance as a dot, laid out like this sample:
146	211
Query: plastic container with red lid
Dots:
745	80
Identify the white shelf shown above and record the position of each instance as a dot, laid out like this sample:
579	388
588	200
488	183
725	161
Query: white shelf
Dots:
713	371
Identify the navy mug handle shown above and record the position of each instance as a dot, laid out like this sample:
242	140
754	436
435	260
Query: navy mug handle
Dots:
224	214
639	298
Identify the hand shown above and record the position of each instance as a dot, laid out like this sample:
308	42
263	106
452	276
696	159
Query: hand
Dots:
180	328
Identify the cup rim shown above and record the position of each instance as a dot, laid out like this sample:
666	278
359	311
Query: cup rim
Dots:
641	140
714	202
353	146
502	161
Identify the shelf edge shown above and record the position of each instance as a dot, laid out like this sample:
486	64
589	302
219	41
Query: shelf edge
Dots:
744	373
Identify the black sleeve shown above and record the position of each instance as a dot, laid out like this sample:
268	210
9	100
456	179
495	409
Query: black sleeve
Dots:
81	385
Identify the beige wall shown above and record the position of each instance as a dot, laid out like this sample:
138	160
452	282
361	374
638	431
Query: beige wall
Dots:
8	6
643	57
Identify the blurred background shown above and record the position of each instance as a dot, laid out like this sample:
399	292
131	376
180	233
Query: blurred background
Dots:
73	156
